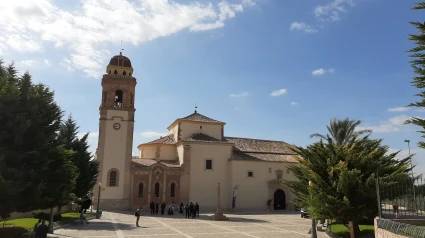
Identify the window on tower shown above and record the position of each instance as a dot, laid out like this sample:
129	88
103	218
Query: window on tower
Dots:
118	99
173	190
115	72
124	73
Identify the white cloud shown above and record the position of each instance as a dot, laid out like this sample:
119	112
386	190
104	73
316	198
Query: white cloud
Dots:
294	103
322	71
332	11
318	71
152	134
28	63
394	124
399	109
301	26
279	92
47	62
239	95
88	31
237	108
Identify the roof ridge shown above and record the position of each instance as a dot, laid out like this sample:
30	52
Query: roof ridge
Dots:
261	152
233	137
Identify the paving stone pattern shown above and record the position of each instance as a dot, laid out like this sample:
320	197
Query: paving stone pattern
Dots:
122	225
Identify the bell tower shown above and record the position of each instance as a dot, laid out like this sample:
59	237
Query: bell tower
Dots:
116	125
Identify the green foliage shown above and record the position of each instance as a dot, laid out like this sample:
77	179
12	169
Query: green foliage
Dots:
342	131
46	216
36	170
343	177
88	169
418	65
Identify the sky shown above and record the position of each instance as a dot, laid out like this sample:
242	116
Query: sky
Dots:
270	69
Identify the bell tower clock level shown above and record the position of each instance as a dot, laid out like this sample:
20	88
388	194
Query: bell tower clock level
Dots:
116	125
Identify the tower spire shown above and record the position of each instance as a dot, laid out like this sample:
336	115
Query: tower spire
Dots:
196	108
121	48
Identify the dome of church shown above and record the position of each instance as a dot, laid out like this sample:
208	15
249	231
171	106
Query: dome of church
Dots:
120	60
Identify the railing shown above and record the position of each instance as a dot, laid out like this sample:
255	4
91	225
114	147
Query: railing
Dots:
118	76
401	228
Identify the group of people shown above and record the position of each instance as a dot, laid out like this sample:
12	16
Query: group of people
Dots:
191	210
154	207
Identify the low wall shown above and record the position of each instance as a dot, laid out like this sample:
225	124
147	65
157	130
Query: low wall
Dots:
382	233
16	215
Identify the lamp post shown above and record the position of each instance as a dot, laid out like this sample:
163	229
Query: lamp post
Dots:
413	178
98	201
313	221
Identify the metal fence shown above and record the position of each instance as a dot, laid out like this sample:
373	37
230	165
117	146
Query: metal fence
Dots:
403	199
401	228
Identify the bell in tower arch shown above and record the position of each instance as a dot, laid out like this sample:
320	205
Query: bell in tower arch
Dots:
118	99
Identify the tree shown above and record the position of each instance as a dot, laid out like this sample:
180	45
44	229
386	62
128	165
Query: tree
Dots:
87	168
343	178
418	65
36	171
342	131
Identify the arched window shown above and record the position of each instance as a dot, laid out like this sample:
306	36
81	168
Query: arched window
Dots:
113	179
118	98
115	72
140	190
173	190
129	73
157	190
109	71
124	73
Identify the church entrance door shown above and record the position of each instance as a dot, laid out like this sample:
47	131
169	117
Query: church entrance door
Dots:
279	200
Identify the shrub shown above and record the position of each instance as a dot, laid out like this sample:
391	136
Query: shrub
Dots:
46	216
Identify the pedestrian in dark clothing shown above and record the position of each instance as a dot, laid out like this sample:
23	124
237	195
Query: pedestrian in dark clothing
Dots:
163	208
191	210
156	208
181	208
197	209
152	207
186	208
42	230
36	226
137	214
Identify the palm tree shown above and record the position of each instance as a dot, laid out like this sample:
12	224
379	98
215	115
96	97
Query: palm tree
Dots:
342	131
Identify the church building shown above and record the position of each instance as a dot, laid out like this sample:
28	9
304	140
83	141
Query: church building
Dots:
187	164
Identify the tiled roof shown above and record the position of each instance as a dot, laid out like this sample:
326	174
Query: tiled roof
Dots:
169	139
263	157
264	146
261	150
200	137
150	162
199	117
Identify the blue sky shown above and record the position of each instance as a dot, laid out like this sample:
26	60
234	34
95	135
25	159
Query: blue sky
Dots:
322	58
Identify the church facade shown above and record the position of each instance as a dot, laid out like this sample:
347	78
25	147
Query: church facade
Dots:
187	164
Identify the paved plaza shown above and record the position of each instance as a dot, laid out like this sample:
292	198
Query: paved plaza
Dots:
122	225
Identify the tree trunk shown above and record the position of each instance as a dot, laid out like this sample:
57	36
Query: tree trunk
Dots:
51	221
354	229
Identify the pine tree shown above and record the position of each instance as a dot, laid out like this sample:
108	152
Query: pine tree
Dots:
87	168
418	65
343	178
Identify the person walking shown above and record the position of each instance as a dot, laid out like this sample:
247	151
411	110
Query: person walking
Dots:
42	230
82	217
156	208
137	214
197	209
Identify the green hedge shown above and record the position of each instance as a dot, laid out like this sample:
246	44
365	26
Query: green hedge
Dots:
46	216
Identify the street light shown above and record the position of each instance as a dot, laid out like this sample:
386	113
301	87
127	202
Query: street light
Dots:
98	201
413	178
313	221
